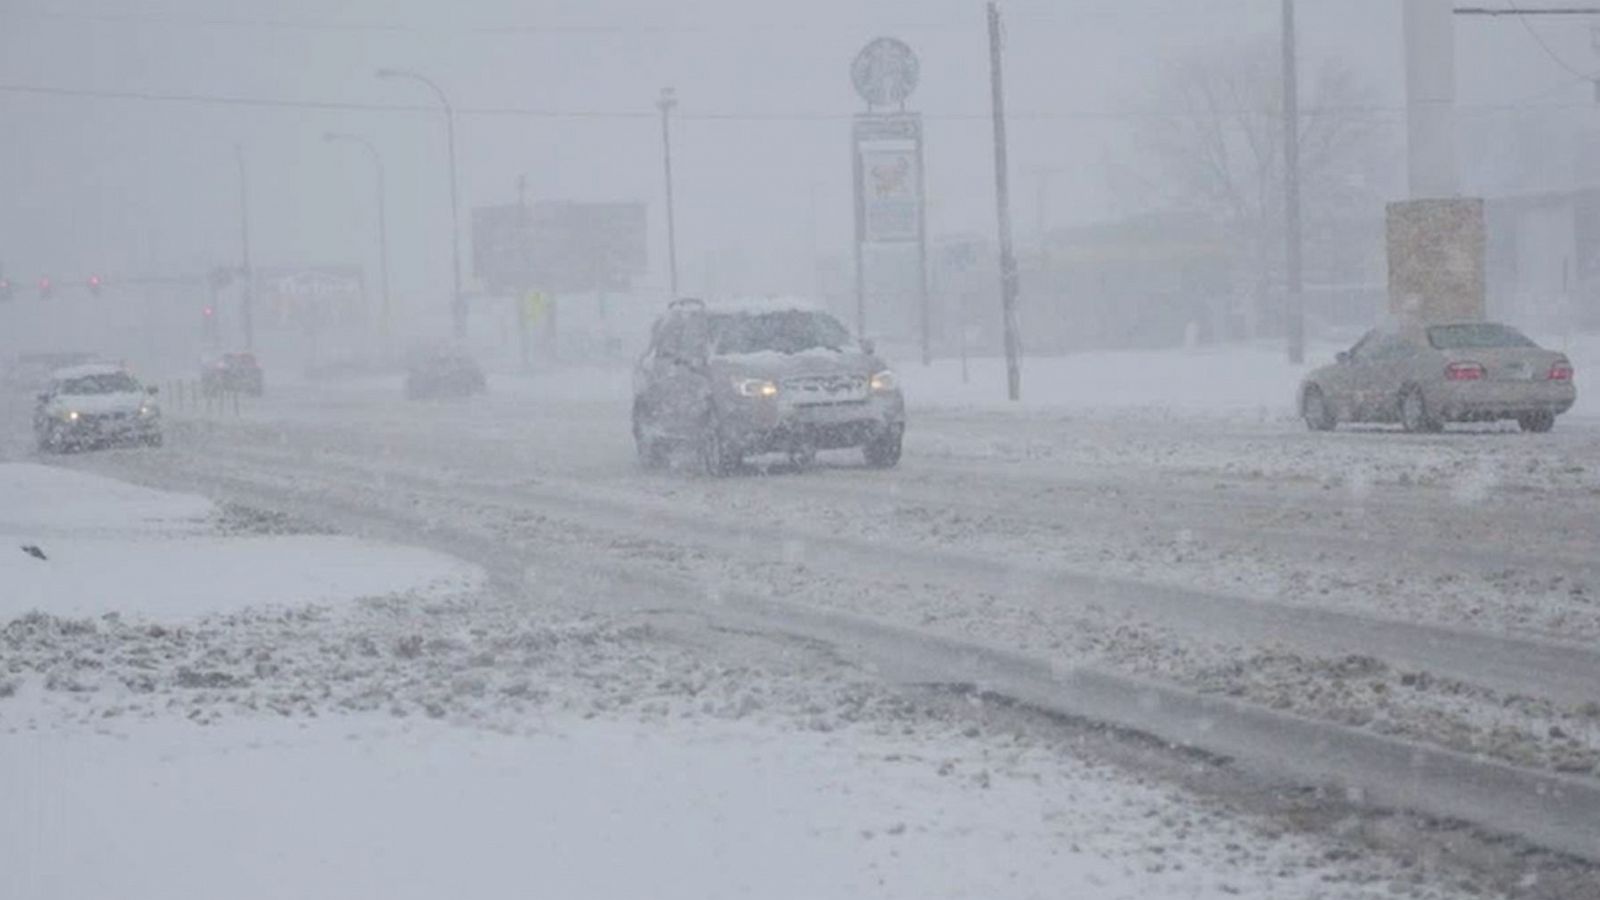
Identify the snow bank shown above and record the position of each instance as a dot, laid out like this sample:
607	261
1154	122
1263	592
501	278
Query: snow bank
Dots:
115	547
596	809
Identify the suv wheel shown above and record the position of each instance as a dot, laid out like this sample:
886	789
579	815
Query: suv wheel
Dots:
652	452
884	451
719	459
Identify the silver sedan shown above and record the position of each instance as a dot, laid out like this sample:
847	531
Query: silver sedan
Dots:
1427	376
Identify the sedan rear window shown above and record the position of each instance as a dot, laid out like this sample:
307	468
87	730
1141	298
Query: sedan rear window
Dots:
1475	336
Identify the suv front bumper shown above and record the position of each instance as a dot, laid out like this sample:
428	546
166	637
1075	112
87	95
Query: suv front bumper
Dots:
779	425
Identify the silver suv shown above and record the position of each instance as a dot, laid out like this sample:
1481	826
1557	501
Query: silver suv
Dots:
731	383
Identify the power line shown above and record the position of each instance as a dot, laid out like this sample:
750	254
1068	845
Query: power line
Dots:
1514	11
346	106
1528	27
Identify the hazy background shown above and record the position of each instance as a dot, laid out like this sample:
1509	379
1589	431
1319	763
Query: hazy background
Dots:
126	187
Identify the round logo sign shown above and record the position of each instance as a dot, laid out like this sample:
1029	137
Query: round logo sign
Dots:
885	72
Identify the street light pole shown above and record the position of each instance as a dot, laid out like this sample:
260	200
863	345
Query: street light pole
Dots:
1294	293
667	103
247	273
458	305
1002	194
386	322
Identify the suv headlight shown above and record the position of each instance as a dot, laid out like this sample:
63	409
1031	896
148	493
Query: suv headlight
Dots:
755	387
884	382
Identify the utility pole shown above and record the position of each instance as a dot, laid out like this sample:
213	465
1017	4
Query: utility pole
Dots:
1294	287
247	274
666	103
1002	191
458	302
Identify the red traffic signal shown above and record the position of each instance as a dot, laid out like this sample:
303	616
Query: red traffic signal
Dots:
46	288
5	289
94	285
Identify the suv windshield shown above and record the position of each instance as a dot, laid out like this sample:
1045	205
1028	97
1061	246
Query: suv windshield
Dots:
109	383
794	331
1479	335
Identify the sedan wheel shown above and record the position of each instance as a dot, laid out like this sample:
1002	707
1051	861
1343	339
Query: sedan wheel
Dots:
1537	422
1318	415
1414	415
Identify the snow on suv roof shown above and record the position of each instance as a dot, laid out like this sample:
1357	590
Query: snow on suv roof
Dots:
758	305
86	371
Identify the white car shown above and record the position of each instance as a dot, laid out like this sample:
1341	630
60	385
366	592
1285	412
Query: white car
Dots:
93	406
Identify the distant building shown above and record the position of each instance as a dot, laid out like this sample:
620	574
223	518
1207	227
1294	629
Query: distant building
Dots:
1544	259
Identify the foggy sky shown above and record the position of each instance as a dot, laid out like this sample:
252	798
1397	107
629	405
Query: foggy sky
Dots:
124	187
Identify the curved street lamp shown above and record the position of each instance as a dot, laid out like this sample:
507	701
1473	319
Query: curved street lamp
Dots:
385	322
458	308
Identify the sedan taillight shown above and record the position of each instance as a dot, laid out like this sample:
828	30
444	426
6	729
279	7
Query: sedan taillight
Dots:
1561	371
1465	371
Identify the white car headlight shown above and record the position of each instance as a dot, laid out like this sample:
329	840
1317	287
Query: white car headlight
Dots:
755	387
885	381
71	415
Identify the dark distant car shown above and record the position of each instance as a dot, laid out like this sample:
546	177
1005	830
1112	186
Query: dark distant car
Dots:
233	373
731	382
30	372
95	405
443	372
1427	376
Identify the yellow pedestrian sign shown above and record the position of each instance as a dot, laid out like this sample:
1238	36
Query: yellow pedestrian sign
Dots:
534	305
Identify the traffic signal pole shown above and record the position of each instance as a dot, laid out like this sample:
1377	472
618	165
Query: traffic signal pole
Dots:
246	273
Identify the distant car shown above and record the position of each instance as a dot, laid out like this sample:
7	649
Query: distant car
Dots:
233	373
30	372
731	383
443	372
95	405
1427	376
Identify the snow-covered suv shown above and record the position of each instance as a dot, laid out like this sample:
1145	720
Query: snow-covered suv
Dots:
765	378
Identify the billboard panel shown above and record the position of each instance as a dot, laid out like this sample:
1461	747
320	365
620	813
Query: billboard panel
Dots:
1437	251
889	179
559	247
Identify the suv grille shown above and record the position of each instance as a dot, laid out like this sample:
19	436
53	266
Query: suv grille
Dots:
827	390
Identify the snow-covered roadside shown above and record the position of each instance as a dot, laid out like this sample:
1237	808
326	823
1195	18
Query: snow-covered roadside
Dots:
568	808
111	547
423	744
1251	379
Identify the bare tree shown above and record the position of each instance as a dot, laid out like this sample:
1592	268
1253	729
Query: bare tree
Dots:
1213	144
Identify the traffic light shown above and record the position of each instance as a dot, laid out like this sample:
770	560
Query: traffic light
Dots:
94	285
5	289
46	288
208	320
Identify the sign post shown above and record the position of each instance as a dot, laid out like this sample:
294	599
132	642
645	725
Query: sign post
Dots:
887	161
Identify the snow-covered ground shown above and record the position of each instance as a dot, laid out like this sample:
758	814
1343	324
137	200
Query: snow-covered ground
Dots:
111	547
422	736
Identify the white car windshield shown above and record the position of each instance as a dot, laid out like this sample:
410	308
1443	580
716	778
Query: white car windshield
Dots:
109	383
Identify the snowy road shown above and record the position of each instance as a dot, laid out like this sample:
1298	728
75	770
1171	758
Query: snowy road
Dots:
1443	590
